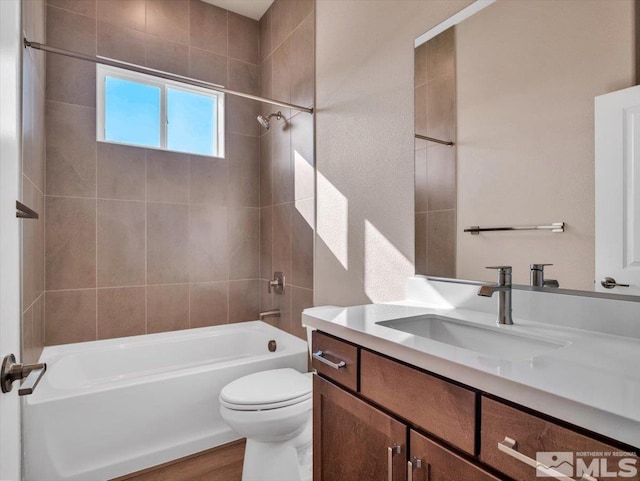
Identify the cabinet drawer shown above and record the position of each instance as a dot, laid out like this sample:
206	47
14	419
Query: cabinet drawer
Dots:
534	435
444	409
440	464
329	353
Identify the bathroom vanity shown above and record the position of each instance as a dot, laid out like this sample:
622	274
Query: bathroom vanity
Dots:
409	391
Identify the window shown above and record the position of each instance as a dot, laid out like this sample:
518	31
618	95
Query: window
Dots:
147	111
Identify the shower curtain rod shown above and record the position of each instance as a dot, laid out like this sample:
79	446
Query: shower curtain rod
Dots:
161	74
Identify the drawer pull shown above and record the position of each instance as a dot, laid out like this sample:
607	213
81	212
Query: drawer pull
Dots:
509	446
320	357
415	463
391	452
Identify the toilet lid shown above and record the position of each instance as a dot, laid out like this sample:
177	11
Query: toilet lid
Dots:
267	390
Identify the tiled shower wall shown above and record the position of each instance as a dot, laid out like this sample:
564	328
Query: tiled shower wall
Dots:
33	180
141	241
435	164
287	55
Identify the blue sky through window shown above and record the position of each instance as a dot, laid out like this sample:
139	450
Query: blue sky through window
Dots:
132	112
191	122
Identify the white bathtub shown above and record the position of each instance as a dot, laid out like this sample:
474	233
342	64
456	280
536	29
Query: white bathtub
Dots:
108	408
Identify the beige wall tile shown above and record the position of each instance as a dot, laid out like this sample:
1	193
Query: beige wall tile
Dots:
82	7
302	225
121	243
281	256
420	110
265	169
266	242
167	243
440	54
286	16
441	243
167	56
70	31
241	116
70	316
207	66
266	75
420	65
70	80
265	35
208	180
70	243
282	186
301	127
244	243
440	113
121	312
244	77
441	177
243	154
128	13
28	245
244	300
302	63
169	19
27	336
121	43
167	308
167	176
421	243
208	27
209	303
420	158
208	243
301	299
121	172
281	74
283	302
244	38
71	150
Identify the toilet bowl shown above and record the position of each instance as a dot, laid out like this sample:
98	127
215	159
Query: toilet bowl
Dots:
272	410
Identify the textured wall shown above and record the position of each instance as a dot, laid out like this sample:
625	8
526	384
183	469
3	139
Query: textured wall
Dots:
525	130
287	41
365	148
33	181
138	240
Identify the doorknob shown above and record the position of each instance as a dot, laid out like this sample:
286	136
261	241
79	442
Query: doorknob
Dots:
12	371
610	283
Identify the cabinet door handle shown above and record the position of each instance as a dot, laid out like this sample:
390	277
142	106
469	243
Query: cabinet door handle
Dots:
415	463
320	357
391	451
509	446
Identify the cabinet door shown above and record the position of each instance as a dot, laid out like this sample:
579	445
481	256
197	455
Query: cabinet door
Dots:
437	463
353	441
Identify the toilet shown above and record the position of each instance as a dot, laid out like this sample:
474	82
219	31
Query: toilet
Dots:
272	410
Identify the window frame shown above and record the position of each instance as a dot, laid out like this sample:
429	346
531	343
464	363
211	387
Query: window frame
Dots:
103	71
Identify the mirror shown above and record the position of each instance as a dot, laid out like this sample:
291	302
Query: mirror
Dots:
513	86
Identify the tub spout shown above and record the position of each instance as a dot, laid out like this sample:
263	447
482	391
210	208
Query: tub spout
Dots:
271	313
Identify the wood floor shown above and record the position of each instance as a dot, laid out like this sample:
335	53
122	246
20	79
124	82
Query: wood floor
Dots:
223	463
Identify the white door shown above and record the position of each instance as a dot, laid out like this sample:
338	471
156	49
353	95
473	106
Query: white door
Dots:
10	135
617	176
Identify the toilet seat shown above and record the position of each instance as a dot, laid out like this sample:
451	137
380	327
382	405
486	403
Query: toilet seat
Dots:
266	390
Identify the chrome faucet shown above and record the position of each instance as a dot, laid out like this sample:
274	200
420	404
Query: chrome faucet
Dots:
503	287
537	277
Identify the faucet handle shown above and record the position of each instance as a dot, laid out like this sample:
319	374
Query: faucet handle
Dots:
502	269
504	274
539	266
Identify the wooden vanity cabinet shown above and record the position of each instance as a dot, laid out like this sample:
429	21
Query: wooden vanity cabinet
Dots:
432	462
352	439
454	432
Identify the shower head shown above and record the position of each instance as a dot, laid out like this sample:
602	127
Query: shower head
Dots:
264	121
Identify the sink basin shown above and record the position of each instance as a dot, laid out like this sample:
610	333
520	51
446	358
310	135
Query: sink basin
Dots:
494	342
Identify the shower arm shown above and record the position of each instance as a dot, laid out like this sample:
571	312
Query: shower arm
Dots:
161	74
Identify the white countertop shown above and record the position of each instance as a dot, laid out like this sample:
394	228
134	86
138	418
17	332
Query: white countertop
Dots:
592	381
